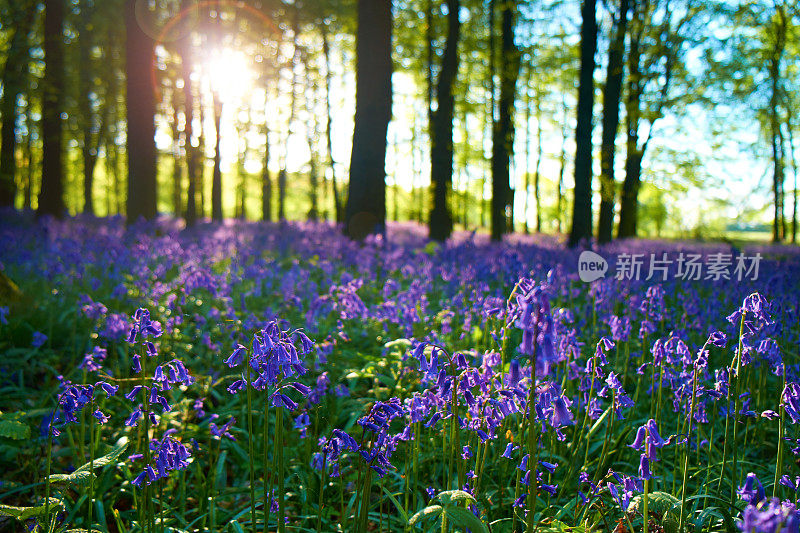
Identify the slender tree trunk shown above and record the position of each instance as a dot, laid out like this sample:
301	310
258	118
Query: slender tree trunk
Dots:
216	176
266	177
338	208
141	108
774	63
30	126
51	195
582	205
526	197
14	79
292	115
789	128
562	162
191	151
633	160
90	129
177	167
536	175
503	130
366	199
612	94
441	221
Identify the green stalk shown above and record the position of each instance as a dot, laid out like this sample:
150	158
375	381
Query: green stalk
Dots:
47	470
279	456
736	408
266	474
321	490
533	450
146	413
688	448
646	525
250	431
781	430
91	462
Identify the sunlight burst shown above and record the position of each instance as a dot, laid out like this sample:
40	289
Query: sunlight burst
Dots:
230	74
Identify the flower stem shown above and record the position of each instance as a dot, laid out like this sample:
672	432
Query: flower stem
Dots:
250	432
279	461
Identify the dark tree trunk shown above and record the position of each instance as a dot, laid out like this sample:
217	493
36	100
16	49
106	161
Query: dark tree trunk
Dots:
441	221
266	177
778	176
582	205
366	199
790	131
282	174
30	126
216	176
141	110
338	208
611	100
503	130
15	77
536	174
177	166
51	195
312	134
629	200
562	163
91	122
191	154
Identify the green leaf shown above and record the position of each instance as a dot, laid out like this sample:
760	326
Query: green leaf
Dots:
77	477
12	429
432	511
83	475
23	513
464	518
661	506
403	513
237	527
455	497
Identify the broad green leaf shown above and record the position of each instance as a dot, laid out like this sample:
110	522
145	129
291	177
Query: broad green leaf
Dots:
78	477
432	511
83	475
460	516
455	497
23	513
12	429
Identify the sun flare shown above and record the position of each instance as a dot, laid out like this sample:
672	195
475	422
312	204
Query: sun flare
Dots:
230	75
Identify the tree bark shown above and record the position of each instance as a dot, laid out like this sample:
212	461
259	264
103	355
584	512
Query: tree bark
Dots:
441	220
338	208
633	160
582	204
503	130
51	195
15	77
779	26
366	201
612	94
141	110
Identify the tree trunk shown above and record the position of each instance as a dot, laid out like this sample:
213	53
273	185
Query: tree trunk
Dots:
612	94
188	133
629	200
15	77
177	167
503	130
366	200
338	208
216	176
141	110
536	174
779	222
582	204
30	126
562	162
92	131
441	221
51	195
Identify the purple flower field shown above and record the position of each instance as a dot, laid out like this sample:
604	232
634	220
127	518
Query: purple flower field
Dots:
252	377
